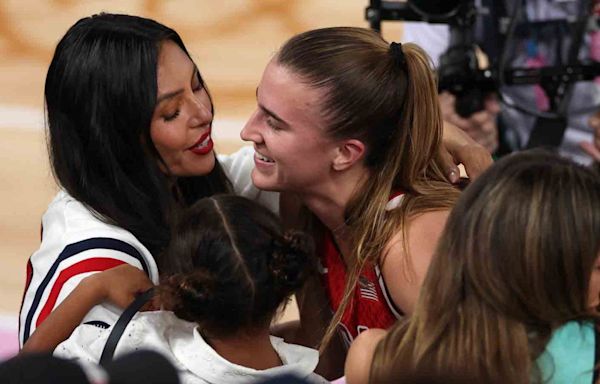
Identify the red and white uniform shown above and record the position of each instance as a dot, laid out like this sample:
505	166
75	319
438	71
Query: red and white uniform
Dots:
74	245
370	305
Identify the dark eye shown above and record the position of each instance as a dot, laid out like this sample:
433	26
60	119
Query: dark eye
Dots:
272	123
172	116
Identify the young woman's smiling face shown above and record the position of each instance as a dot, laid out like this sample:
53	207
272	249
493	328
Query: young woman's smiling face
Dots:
181	124
288	132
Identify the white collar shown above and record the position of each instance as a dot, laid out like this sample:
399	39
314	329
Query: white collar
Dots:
203	361
394	203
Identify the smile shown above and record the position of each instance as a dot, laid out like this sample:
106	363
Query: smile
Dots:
203	146
261	157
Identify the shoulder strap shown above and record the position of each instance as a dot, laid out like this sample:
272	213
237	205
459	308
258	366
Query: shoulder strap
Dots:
121	324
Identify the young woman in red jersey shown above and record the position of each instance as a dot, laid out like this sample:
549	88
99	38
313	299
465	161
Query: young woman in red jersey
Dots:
351	125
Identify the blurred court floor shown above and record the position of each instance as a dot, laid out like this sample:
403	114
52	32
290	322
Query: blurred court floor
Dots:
231	42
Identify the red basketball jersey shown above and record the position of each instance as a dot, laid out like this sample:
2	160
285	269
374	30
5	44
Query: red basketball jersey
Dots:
370	306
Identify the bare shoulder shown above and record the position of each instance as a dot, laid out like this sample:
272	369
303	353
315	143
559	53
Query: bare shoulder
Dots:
406	260
360	356
420	227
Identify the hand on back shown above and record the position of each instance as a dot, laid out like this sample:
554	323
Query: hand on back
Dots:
120	285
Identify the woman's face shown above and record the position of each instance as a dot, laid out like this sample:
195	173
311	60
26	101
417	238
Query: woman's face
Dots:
287	129
594	290
181	123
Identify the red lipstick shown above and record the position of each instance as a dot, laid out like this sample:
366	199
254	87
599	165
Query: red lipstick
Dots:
203	146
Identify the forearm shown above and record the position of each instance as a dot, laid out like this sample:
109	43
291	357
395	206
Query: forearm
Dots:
315	316
66	317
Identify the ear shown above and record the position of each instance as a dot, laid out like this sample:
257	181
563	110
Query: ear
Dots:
348	153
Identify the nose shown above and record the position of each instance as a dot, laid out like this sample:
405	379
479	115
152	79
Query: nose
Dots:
201	112
251	130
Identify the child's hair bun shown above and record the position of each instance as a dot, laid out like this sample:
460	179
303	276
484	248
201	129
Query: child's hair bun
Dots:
189	295
291	260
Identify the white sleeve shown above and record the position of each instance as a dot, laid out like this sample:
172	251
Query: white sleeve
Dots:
238	167
433	38
75	244
55	272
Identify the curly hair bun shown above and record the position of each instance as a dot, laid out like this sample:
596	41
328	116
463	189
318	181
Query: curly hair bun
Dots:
189	295
292	260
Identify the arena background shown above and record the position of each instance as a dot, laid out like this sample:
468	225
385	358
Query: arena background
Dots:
230	40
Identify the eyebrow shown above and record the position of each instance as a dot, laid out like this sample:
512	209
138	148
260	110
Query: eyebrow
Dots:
269	112
170	95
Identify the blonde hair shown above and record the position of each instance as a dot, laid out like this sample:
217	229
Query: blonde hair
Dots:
392	106
513	263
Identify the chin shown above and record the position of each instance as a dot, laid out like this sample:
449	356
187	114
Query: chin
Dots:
199	169
263	183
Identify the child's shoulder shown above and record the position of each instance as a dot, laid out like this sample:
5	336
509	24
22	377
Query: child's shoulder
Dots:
162	322
298	360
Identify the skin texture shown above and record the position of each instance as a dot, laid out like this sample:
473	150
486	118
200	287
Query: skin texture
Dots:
288	129
182	116
424	232
459	148
360	356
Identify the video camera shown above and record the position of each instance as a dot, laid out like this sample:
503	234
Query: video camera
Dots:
459	71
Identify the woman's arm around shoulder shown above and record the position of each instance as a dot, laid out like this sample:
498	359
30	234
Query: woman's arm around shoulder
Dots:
360	356
404	273
118	285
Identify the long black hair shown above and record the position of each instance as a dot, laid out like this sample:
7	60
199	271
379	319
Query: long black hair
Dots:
100	95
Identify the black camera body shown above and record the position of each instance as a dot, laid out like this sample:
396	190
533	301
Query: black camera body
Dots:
459	72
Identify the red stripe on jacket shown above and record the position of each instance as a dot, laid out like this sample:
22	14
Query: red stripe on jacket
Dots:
96	264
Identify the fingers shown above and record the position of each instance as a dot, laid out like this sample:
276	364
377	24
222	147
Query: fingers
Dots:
450	168
492	105
591	149
480	126
124	283
476	161
480	118
461	148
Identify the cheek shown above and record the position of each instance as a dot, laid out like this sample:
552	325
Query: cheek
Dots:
594	290
163	139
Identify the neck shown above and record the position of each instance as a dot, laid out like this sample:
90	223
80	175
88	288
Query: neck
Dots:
329	199
329	202
251	349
